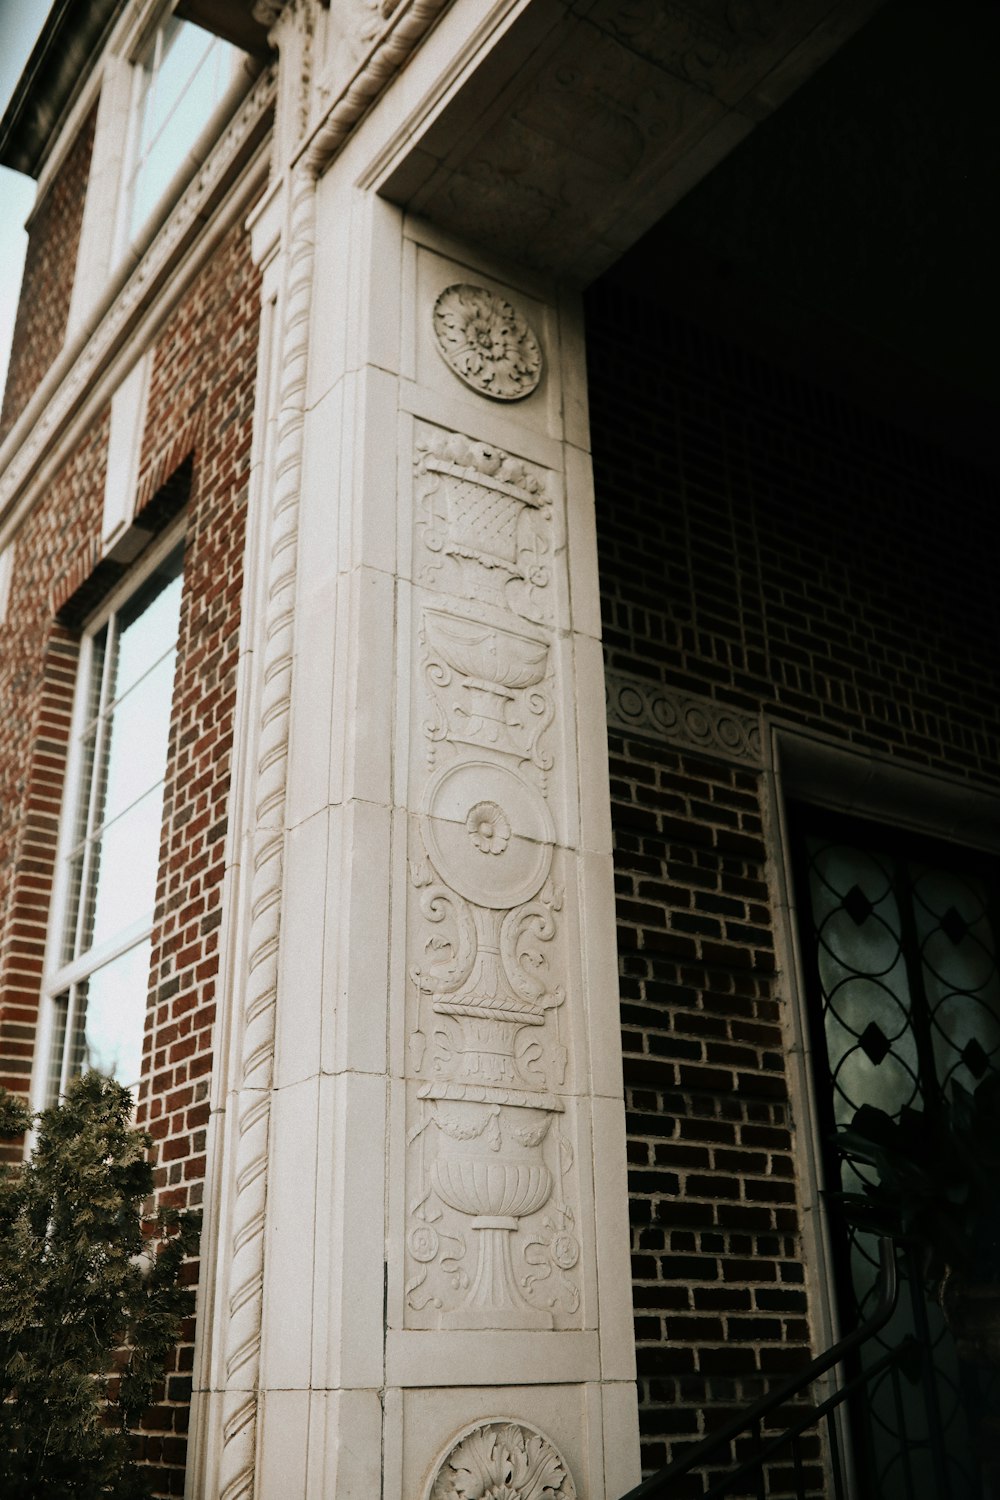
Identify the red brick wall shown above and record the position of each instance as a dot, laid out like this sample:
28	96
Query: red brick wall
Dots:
202	381
200	412
767	545
37	679
49	268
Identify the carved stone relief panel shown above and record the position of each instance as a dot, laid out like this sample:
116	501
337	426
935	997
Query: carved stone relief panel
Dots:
490	688
507	1459
491	1180
491	1230
484	524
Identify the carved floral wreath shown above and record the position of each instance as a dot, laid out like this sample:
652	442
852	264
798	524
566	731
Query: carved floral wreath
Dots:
486	342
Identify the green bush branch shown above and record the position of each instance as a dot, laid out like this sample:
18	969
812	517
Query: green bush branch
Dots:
90	1295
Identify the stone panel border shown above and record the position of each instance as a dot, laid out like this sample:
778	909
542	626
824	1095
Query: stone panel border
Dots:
648	708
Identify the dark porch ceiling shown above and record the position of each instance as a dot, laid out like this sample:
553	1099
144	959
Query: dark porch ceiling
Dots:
856	232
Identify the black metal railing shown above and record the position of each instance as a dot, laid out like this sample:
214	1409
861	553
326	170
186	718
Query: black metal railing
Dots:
763	1454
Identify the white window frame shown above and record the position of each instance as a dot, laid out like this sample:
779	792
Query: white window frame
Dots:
141	81
102	253
57	976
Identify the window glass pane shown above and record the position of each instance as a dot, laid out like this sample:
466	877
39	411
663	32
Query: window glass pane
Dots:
188	73
111	1017
74	895
136	754
147	624
862	973
899	954
182	50
960	975
126	859
98	651
58	1047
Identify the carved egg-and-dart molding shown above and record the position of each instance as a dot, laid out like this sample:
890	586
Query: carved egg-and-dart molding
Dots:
487	343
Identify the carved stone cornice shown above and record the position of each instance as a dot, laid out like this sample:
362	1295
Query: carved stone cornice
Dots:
639	706
385	51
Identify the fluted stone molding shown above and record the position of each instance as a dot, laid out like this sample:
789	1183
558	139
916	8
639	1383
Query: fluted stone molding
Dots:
639	706
406	28
253	1102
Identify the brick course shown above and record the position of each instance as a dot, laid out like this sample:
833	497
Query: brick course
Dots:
765	544
49	268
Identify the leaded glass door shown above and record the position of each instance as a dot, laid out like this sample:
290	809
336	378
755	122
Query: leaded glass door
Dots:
899	941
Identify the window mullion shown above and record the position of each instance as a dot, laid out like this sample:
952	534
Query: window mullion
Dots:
66	1061
101	732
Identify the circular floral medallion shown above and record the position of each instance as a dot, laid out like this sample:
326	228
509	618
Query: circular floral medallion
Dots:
502	1461
474	808
487	343
565	1250
488	827
424	1242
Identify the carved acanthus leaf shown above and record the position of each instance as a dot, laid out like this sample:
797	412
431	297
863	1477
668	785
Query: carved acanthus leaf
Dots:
503	1461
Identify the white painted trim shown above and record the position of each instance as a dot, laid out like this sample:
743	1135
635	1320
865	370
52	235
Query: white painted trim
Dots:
128	416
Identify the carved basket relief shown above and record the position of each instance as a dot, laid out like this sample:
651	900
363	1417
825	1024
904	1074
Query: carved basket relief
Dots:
484	523
491	1232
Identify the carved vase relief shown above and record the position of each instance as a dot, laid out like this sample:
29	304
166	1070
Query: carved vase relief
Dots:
505	1460
491	1234
487	343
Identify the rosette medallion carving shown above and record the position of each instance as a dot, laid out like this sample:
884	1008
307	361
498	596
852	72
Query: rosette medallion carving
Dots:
486	342
502	1461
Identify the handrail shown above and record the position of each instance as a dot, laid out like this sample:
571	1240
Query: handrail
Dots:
888	1291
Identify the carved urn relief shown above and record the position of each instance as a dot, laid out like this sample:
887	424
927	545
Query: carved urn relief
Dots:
492	1234
488	837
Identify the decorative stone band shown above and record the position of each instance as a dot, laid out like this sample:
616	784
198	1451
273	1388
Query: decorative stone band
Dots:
501	1458
689	722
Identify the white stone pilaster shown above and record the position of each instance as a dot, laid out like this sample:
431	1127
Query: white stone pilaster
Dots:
446	1251
418	1240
